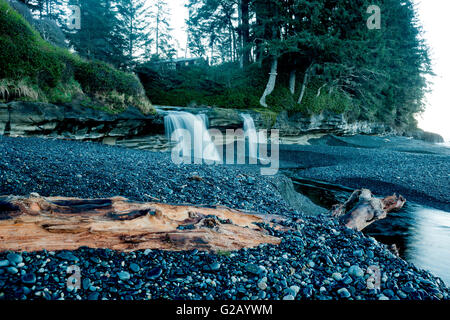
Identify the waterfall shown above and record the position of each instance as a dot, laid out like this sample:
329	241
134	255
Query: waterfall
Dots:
251	136
200	142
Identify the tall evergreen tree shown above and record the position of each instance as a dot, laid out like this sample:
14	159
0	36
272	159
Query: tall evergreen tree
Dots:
162	32
101	35
133	16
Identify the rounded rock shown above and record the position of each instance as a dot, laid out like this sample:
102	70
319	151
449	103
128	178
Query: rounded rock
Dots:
356	271
153	273
14	258
344	293
124	276
337	276
134	267
29	278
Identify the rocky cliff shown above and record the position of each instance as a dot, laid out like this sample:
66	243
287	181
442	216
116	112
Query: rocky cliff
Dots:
81	123
74	122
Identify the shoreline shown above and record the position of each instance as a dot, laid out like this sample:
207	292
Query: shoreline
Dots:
320	260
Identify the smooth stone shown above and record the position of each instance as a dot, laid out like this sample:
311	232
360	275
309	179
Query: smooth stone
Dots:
348	280
290	292
383	298
26	290
153	273
4	263
308	292
86	283
253	268
389	293
134	267
12	270
14	258
67	256
95	260
409	289
337	276
358	253
289	298
29	278
124	276
344	293
215	266
356	271
262	285
296	289
93	296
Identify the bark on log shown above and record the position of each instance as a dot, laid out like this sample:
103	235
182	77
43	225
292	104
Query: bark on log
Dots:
362	209
35	223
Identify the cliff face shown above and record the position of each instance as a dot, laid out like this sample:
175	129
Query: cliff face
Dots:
74	122
297	124
81	123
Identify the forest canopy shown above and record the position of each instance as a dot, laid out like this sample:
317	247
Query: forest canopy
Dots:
365	58
321	54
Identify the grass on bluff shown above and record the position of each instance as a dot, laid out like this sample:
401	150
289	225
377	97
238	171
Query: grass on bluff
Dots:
31	69
228	86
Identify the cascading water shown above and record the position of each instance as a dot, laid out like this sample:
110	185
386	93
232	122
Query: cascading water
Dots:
251	136
186	125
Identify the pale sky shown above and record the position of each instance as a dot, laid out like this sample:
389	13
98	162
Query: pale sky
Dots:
434	17
178	23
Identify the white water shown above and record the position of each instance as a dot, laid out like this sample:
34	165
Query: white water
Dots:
200	142
251	136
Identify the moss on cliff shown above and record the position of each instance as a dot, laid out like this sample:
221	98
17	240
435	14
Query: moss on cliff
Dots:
33	70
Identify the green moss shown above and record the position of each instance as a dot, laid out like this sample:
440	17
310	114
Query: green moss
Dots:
225	86
223	253
34	70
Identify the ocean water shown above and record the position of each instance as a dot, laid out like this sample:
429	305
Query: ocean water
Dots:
422	234
445	144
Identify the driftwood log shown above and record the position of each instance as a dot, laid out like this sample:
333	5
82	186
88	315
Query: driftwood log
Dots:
362	209
35	223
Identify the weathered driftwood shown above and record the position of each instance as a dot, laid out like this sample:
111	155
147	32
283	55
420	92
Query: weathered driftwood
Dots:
362	209
35	223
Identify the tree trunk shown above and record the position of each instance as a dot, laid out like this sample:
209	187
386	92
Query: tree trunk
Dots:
245	32
292	81
305	84
157	33
362	209
271	83
240	42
